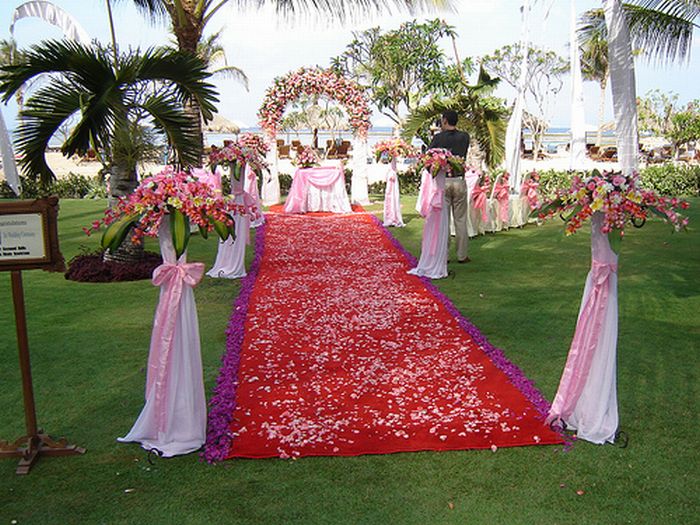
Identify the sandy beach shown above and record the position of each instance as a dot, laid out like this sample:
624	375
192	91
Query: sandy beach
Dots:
63	166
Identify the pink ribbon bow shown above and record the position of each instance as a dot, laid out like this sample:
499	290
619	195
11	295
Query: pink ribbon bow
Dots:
583	346
529	189
501	194
172	279
480	198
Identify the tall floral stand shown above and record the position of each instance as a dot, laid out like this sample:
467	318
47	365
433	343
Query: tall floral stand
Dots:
586	400
251	188
431	205
392	198
230	258
173	420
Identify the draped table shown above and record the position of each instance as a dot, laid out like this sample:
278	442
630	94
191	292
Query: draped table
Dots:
318	189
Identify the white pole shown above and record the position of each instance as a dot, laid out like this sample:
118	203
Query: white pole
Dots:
577	150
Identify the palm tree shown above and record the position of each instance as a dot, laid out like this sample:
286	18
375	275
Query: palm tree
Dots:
663	29
10	54
113	104
593	46
188	18
481	115
211	52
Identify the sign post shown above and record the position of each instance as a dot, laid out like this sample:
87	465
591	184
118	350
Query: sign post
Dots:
29	240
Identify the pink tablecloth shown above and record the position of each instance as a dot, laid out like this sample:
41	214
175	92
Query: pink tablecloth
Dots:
318	189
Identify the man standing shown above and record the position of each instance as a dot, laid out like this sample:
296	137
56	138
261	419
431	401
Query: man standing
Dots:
457	142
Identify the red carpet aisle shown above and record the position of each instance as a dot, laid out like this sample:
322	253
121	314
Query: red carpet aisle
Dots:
343	353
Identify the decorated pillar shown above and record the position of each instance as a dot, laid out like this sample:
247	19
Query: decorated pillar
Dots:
359	188
577	150
270	192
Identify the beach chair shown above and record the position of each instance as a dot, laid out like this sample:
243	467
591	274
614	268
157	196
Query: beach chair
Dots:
609	155
342	151
283	151
332	151
594	153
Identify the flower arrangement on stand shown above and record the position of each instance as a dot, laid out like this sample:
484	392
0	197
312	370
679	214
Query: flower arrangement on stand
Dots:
391	149
306	158
165	205
254	143
586	400
178	195
620	199
436	160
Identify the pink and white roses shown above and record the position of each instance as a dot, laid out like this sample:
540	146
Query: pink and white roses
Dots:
620	198
387	150
438	160
307	158
315	81
176	194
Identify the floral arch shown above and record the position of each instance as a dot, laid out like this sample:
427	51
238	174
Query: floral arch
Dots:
322	82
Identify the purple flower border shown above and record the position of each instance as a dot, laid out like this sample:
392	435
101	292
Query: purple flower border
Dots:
496	355
223	402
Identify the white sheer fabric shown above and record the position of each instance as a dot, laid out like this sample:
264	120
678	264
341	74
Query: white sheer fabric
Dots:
433	255
174	417
577	149
472	179
230	258
54	15
9	166
270	191
587	396
358	186
392	198
251	188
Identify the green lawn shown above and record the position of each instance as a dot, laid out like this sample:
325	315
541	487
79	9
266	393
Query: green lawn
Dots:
90	342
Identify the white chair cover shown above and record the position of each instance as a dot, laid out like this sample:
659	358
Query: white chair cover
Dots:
251	188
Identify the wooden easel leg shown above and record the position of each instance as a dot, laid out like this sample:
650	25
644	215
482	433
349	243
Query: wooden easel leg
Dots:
35	444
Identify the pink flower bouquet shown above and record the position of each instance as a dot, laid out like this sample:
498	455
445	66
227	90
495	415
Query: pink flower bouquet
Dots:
436	160
620	198
306	158
387	150
178	195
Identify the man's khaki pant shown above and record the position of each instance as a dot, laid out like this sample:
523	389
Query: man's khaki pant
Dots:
456	199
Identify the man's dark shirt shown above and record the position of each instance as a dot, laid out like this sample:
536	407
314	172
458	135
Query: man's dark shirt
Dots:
455	141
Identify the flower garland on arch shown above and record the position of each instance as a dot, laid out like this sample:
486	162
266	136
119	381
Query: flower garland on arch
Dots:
315	81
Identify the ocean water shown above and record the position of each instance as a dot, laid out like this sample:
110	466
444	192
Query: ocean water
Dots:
555	137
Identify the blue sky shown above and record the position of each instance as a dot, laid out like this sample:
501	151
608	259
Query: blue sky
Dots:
265	45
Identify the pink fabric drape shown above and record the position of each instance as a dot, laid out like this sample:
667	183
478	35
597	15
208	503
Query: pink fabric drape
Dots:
430	201
586	398
501	194
173	419
323	177
207	177
250	186
171	277
529	190
480	200
392	198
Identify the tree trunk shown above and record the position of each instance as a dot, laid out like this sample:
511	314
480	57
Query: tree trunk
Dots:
123	182
601	113
188	34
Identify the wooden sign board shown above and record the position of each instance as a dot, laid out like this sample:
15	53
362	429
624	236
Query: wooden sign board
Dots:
29	235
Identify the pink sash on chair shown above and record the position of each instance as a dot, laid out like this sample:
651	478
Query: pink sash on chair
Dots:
480	200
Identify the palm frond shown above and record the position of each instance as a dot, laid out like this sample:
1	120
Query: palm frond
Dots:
232	73
487	126
187	73
170	119
42	116
344	9
664	30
